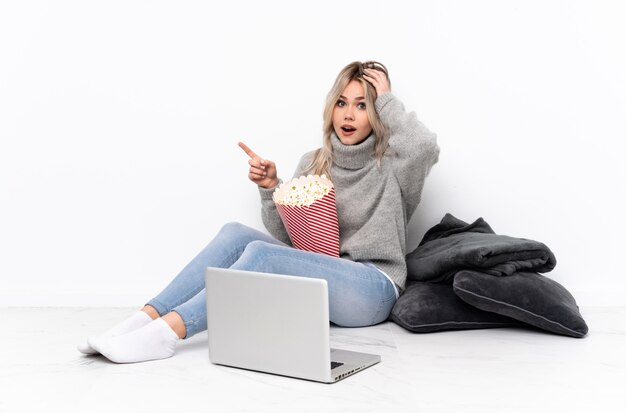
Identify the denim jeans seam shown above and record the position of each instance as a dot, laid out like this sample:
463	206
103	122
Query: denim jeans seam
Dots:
188	324
382	304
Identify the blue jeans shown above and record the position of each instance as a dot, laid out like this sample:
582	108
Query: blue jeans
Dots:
358	293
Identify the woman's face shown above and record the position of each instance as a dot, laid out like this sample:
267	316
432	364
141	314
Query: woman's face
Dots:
350	120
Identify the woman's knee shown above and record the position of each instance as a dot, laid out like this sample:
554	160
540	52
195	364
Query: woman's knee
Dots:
238	232
233	227
254	256
258	248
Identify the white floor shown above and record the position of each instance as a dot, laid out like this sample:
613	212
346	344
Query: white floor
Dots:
503	370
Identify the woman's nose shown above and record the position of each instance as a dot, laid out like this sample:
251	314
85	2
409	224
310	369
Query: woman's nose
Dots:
348	114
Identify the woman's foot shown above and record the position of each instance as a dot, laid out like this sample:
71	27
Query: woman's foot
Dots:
154	341
137	320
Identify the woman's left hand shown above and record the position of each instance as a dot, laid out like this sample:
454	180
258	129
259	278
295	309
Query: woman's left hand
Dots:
378	79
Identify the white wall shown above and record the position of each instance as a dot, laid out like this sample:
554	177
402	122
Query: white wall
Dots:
119	123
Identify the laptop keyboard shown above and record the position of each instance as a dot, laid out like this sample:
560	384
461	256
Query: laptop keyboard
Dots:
335	364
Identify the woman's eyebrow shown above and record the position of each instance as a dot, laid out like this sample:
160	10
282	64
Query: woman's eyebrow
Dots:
357	98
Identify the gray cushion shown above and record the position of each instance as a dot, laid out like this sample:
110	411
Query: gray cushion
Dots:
525	296
425	308
454	245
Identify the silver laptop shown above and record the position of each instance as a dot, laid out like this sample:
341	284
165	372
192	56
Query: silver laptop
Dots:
275	324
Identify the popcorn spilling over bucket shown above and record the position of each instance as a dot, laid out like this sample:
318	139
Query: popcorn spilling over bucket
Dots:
307	208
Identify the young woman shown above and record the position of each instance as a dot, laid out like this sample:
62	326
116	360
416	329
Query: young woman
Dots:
377	156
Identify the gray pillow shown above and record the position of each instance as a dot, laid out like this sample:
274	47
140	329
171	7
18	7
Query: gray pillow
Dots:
525	296
424	308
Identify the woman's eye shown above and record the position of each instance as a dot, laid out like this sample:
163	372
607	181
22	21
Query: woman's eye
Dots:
341	103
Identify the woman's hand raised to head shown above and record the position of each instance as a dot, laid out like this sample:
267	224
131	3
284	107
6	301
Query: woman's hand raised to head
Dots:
378	79
262	171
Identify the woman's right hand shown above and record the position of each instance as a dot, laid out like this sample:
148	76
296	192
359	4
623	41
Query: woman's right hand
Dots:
262	171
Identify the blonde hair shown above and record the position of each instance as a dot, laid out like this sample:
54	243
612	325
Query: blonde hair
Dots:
323	158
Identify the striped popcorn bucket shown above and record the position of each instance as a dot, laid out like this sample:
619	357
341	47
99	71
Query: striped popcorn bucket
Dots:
311	226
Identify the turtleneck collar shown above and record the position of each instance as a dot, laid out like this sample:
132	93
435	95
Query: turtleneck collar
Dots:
353	156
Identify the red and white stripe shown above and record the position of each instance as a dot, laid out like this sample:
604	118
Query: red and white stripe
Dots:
314	227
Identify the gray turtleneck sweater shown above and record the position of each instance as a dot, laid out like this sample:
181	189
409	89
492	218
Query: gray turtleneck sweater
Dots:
374	205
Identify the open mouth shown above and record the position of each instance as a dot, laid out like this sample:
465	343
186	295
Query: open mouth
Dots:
347	130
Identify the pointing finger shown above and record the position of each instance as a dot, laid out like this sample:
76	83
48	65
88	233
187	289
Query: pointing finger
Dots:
249	151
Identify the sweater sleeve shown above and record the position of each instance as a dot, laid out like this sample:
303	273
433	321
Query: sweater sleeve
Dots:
269	213
412	147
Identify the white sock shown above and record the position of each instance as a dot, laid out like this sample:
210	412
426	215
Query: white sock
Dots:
137	320
154	341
